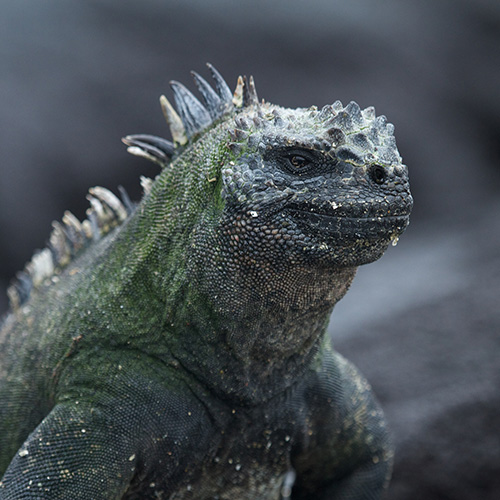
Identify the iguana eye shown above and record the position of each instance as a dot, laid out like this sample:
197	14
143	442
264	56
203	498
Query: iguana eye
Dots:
298	161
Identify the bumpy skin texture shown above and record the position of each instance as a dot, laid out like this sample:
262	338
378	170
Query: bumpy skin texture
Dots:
183	355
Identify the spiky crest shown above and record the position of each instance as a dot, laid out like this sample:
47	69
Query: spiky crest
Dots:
212	101
152	148
174	122
68	239
249	93
192	116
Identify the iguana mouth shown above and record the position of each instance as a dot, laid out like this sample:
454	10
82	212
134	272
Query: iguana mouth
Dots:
352	211
344	226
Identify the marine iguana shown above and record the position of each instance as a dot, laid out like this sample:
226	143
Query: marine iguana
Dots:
176	349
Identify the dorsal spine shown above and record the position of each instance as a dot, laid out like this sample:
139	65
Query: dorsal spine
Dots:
67	239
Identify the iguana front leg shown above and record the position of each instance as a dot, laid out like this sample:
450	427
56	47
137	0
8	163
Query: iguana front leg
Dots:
76	452
115	425
346	453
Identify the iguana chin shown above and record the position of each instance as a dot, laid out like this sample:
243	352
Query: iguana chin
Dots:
177	349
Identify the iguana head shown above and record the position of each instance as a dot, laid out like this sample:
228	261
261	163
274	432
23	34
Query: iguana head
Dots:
300	186
329	184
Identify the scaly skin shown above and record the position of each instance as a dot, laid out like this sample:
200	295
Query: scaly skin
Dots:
184	354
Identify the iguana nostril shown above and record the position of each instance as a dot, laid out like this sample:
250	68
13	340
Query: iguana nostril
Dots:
378	174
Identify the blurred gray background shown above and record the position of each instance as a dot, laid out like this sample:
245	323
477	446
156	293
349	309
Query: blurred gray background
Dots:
423	323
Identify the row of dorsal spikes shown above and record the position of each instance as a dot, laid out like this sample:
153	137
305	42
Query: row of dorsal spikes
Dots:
70	236
192	116
106	210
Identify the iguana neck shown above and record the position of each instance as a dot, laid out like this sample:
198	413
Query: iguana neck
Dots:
258	328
